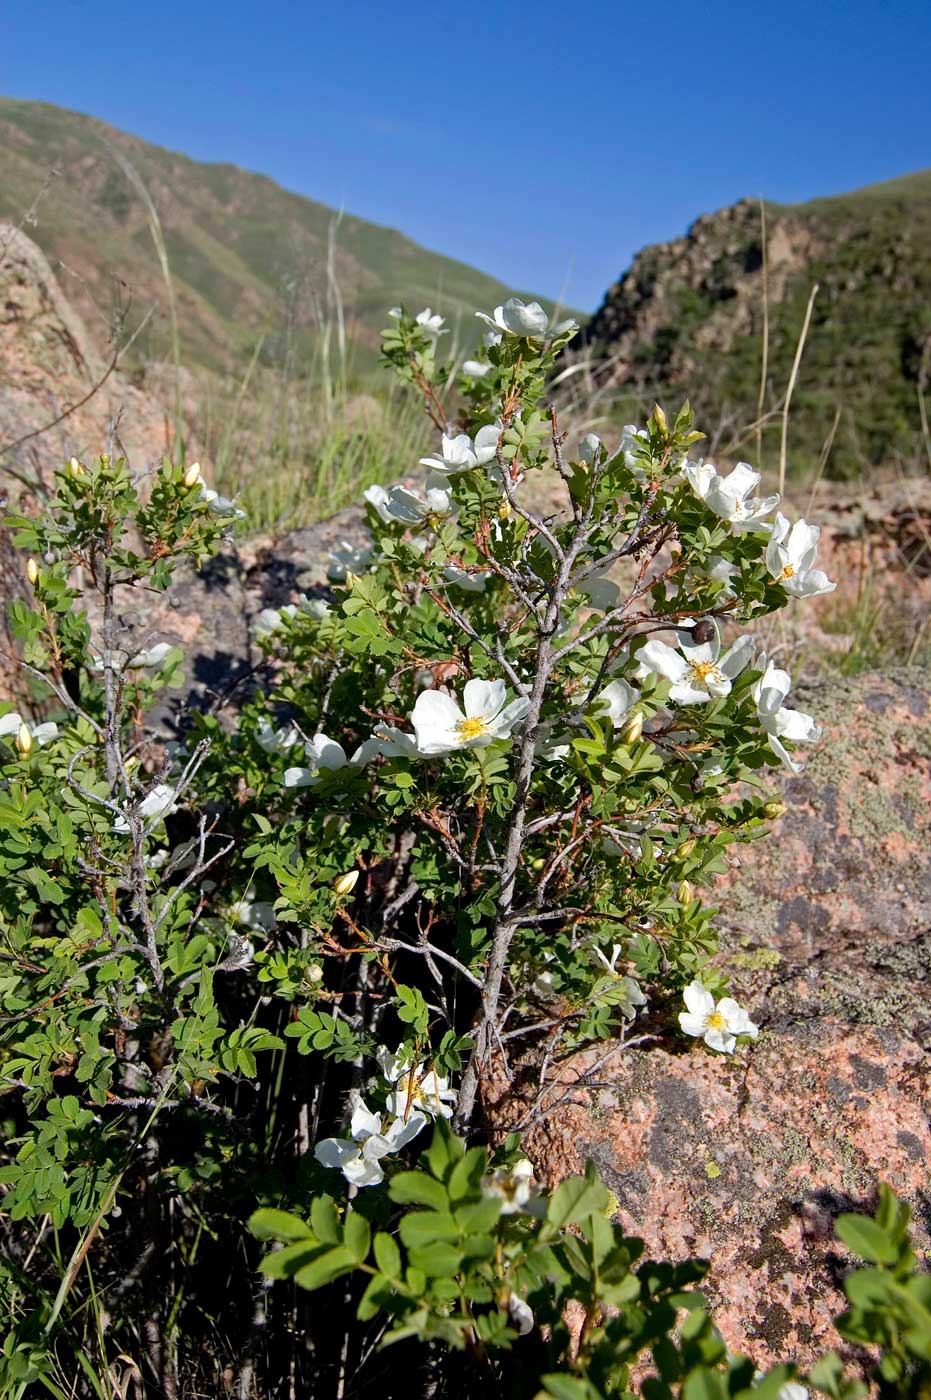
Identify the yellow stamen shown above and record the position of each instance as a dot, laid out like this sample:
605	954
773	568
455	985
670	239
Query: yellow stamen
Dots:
788	572
716	1022
705	670
472	728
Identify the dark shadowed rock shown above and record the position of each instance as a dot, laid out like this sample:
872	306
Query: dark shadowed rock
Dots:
212	612
747	1160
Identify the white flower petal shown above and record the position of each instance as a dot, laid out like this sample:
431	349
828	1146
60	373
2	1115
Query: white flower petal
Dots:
685	693
364	1123
326	753
434	718
663	660
692	1025
299	777
737	657
402	1131
698	999
511	716
335	1152
616	701
483	699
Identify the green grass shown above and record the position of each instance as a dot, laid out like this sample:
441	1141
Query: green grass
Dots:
295	455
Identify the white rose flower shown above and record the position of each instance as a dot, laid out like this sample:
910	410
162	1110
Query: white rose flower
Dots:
394	743
157	804
346	559
525	320
632	441
616	701
514	1187
520	1315
322	753
221	505
41	734
413	1089
719	570
274	740
442	727
476	369
152	656
10	725
359	1156
377	498
628	991
460	453
517	318
790	554
414	507
779	722
255	914
590	449
698	670
271	620
326	754
603	593
469	582
729	496
431	323
717	1023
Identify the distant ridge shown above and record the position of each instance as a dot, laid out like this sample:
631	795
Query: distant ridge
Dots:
246	256
687	317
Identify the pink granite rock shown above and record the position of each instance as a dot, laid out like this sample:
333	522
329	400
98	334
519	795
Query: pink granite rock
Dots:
746	1160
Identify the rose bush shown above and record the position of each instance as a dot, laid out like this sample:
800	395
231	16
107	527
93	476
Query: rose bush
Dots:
268	969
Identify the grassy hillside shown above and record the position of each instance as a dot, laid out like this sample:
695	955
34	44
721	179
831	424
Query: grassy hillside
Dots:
245	254
688	317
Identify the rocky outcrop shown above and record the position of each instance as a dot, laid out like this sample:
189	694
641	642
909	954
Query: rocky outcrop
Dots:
687	320
719	261
58	395
747	1160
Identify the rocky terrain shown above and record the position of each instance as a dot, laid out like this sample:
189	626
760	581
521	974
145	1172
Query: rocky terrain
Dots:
60	393
746	1161
687	318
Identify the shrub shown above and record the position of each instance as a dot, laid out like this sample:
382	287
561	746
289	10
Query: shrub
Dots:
470	812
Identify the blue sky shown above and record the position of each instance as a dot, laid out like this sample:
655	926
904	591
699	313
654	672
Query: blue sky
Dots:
544	142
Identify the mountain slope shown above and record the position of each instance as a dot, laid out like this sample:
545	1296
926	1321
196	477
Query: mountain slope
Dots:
687	317
245	254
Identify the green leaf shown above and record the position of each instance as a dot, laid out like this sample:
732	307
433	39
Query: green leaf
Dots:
437	1260
577	1198
326	1268
387	1255
468	1173
417	1188
570	1388
374	1299
412	1009
870	1288
867	1239
445	1150
703	1384
285	1263
357	1234
268	1224
325	1220
423	1226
